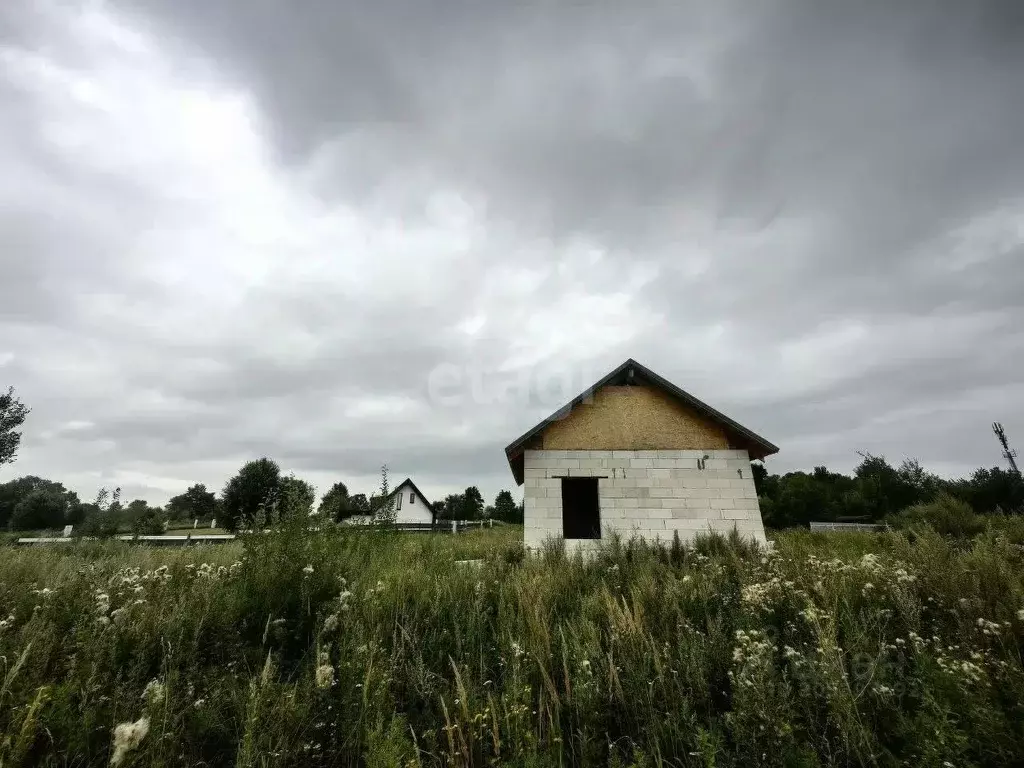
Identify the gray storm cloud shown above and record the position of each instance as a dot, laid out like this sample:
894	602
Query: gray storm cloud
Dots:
242	228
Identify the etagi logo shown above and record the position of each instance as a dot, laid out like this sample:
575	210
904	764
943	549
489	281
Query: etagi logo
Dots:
452	386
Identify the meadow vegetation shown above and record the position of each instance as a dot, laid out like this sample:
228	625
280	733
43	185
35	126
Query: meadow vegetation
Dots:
381	649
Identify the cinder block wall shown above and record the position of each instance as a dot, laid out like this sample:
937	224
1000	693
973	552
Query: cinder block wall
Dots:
651	494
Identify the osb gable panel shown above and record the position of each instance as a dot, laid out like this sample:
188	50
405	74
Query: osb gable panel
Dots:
633	419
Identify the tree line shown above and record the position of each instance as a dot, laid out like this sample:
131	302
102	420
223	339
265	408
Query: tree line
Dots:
877	491
258	496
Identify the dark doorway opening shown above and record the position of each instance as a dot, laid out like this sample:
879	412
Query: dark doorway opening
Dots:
581	516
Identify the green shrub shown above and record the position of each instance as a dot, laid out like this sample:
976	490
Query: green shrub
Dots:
946	515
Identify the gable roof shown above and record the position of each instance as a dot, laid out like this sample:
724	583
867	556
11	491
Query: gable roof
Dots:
409	482
632	372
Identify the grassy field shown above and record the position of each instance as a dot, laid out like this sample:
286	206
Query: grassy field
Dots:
377	649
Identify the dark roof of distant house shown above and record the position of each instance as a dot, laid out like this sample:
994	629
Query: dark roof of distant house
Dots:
632	372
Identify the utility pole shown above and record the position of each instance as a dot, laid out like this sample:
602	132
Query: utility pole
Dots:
1008	454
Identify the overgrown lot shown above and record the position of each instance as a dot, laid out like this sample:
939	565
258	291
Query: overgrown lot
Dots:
357	649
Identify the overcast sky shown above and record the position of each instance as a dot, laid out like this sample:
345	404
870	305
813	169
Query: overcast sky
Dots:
341	234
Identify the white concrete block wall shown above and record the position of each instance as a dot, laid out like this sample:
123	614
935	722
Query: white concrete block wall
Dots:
652	494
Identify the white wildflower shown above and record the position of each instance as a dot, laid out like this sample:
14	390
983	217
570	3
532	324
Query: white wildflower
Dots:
752	647
331	623
128	736
1020	615
810	613
324	674
308	571
199	703
153	694
903	577
988	627
870	562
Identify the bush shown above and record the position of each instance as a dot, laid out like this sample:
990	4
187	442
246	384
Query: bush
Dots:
148	523
102	523
947	515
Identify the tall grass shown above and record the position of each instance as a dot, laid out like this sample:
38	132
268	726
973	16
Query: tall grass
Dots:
348	648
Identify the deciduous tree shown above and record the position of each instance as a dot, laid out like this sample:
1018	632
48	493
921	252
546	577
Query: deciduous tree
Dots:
505	507
472	504
12	415
251	496
295	497
42	508
336	504
196	502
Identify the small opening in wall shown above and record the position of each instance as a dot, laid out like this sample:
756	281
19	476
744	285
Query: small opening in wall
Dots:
581	515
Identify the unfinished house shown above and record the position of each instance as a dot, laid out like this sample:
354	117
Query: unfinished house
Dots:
636	455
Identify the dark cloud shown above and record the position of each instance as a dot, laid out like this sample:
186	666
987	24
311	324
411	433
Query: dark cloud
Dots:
240	228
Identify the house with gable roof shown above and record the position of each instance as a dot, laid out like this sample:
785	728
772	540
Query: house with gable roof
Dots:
638	456
410	505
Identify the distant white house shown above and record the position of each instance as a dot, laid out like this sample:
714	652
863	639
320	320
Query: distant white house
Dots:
410	505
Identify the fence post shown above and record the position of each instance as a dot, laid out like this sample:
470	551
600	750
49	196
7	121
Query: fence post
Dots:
455	526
